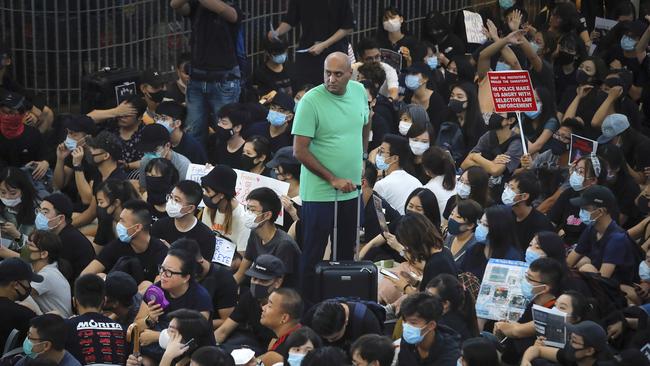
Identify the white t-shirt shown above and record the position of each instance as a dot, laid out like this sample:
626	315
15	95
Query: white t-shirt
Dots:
396	188
442	195
239	233
391	82
53	292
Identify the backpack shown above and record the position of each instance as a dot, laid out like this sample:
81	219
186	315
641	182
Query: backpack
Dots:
361	306
605	291
450	138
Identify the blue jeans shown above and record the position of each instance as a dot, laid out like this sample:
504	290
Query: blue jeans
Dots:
204	97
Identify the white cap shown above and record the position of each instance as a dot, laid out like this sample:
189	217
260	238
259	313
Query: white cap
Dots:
242	356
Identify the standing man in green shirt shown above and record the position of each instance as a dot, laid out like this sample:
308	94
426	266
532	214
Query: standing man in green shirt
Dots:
330	140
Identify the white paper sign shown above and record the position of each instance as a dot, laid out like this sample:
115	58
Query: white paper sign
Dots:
246	182
604	23
224	251
500	297
474	27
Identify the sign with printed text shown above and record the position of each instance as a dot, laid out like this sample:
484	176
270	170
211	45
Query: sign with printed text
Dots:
224	251
246	182
474	27
500	297
512	91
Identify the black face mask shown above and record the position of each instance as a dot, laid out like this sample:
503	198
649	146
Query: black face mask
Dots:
582	77
495	122
157	189
259	292
643	203
564	58
209	203
103	215
223	134
157	97
456	106
557	147
247	162
451	78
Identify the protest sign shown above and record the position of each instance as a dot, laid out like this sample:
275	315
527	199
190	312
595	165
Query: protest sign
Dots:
246	182
392	58
380	214
224	251
512	91
500	297
581	146
551	324
474	27
124	91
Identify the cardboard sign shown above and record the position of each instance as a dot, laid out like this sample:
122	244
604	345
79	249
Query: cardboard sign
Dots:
512	91
581	146
224	251
123	91
474	27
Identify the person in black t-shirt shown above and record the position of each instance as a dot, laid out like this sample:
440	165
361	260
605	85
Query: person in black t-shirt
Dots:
273	73
94	338
110	196
227	144
172	116
276	128
160	177
122	298
15	278
181	223
177	89
214	76
133	242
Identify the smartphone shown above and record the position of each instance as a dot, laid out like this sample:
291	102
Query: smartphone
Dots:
190	343
389	274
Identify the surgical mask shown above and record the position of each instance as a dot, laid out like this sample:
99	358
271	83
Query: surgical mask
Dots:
481	232
418	147
576	181
259	291
392	25
173	209
531	256
404	127
11	202
279	59
163	339
26	254
456	105
70	143
412	81
535	114
151	155
534	46
157	97
432	62
295	359
295	104
463	190
381	163
506	4
628	43
412	334
28	348
644	271
276	118
165	124
42	222
585	217
508	196
123	233
502	66
249	220
527	290
454	227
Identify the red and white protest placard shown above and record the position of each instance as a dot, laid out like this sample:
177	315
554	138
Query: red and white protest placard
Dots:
512	91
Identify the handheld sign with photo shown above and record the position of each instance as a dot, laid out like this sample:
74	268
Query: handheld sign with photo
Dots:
392	58
550	324
474	27
224	251
380	214
581	146
124	91
500	297
512	91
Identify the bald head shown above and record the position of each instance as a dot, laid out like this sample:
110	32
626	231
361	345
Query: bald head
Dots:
338	71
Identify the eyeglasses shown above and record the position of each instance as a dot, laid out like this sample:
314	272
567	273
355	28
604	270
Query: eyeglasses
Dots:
168	273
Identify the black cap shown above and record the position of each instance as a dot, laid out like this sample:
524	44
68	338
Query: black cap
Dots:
153	135
593	335
267	267
15	269
172	109
12	100
283	101
61	203
598	196
284	156
418	68
81	123
222	179
153	78
108	142
120	286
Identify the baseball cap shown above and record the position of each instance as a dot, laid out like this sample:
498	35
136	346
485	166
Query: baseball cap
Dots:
15	269
108	142
267	267
12	100
80	123
284	156
592	334
153	78
172	109
613	125
283	101
153	135
418	68
61	203
120	286
596	195
222	179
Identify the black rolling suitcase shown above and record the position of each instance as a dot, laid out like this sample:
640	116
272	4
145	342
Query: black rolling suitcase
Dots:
346	278
106	88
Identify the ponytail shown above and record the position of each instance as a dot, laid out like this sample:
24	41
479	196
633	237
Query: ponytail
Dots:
438	162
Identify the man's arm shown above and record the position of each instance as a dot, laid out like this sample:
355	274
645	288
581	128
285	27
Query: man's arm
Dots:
547	353
181	6
93	267
225	330
306	158
124	109
491	167
318	48
224	10
573	258
223	315
243	267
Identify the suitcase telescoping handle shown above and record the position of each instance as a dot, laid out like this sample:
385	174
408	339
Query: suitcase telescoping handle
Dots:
336	226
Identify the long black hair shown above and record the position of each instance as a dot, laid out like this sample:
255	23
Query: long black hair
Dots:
429	204
15	178
460	298
500	234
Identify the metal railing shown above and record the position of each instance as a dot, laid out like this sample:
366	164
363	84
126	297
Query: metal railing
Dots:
55	42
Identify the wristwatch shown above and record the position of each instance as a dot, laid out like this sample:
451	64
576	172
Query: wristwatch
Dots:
365	156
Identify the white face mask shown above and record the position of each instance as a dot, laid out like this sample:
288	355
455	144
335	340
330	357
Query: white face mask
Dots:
163	339
392	25
418	147
11	202
173	209
463	189
249	220
404	127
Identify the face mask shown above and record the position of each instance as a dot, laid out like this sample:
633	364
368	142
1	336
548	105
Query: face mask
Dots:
564	58
456	106
151	155
295	359
26	254
157	189
557	147
223	134
11	202
454	227
644	271
459	362
418	147
481	232
173	209
502	66
259	291
531	256
280	59
276	118
412	81
535	114
157	97
70	143
163	339
295	105
463	190
585	217
628	43
495	121
611	177
527	290
249	220
42	222
28	348
381	163
123	233
392	25
432	62
451	77
412	334
508	196
570	352
534	46
247	162
582	77
11	125
576	181
209	203
103	215
506	4
404	127
166	124
643	204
